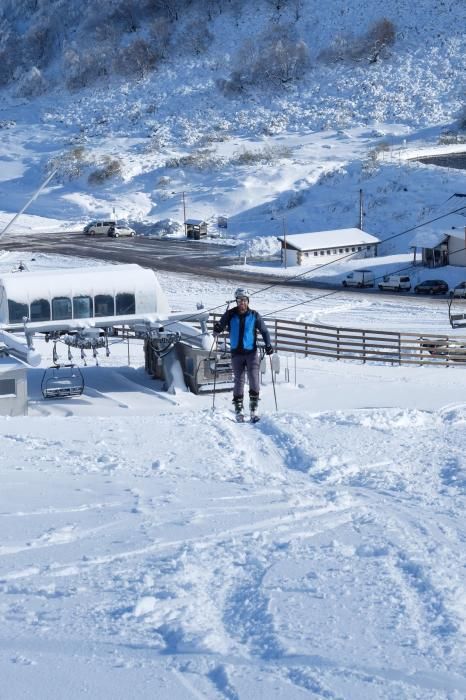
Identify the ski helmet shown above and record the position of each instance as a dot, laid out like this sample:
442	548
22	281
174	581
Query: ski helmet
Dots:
241	293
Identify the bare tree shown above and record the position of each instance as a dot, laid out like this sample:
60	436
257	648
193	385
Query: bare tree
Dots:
137	59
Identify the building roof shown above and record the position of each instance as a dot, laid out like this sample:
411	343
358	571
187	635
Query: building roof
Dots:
429	238
329	239
195	222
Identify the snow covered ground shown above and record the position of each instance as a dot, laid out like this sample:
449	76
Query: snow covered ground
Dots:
151	547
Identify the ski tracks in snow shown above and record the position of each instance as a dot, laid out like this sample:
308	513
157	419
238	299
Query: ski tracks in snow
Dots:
263	552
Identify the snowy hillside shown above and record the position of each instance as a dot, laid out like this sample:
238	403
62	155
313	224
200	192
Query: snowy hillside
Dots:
266	151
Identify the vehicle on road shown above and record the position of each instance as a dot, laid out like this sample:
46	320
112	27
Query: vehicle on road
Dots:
459	291
359	278
396	283
117	231
94	228
444	348
431	287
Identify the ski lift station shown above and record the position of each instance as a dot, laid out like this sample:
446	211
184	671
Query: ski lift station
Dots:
13	386
83	308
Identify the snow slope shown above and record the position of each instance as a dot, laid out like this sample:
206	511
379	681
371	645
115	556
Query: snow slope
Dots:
151	546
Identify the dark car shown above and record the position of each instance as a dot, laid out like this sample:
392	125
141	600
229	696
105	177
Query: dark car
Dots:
431	287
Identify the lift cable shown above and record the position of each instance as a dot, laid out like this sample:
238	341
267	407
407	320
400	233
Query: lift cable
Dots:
327	264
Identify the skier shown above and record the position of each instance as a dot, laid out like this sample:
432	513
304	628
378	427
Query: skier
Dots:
242	324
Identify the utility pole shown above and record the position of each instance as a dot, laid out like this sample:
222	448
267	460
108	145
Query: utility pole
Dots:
361	211
184	212
284	242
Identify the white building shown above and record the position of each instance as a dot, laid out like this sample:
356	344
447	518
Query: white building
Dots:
312	248
436	247
13	387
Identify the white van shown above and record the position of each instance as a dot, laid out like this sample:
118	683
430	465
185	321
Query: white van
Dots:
94	228
396	283
359	278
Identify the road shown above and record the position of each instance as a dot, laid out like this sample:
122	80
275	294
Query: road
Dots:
200	258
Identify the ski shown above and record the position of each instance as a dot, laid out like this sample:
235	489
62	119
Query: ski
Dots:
254	419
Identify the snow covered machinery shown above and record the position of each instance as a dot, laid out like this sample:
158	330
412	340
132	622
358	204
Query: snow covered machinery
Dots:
204	367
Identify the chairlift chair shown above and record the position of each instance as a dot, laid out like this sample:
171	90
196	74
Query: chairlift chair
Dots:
457	310
62	381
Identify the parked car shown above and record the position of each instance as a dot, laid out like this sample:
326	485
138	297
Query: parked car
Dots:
444	348
359	278
431	287
117	231
396	283
459	291
98	227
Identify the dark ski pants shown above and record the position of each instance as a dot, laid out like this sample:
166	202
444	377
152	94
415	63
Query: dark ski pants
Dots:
242	363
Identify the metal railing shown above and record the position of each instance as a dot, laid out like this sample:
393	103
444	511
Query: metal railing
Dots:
365	345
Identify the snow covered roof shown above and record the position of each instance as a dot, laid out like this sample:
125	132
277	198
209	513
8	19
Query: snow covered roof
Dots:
429	238
23	287
333	239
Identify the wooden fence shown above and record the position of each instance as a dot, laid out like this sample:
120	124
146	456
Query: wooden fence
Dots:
365	345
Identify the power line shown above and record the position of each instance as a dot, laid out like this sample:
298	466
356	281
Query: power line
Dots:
327	264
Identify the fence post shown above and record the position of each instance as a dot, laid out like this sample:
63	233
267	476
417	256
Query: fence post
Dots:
399	348
276	335
364	346
338	343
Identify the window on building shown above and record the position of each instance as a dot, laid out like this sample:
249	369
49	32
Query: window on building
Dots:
329	252
340	250
322	252
346	250
40	310
7	387
61	308
359	247
17	311
334	251
83	307
125	304
316	252
353	250
369	247
104	305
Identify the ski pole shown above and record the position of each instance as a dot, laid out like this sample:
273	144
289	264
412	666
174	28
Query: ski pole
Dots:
273	383
215	370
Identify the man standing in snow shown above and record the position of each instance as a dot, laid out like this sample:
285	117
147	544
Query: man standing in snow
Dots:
242	324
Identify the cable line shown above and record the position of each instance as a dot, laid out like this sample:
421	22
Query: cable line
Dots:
327	264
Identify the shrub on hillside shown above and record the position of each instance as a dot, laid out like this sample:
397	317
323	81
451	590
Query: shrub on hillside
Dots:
196	38
368	47
83	69
32	84
267	154
70	165
202	159
275	58
111	168
137	59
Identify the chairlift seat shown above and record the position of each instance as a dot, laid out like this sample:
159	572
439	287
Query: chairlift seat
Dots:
62	382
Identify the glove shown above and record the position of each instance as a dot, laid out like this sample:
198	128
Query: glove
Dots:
217	328
268	350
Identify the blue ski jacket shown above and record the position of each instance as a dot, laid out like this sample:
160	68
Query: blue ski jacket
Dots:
243	330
